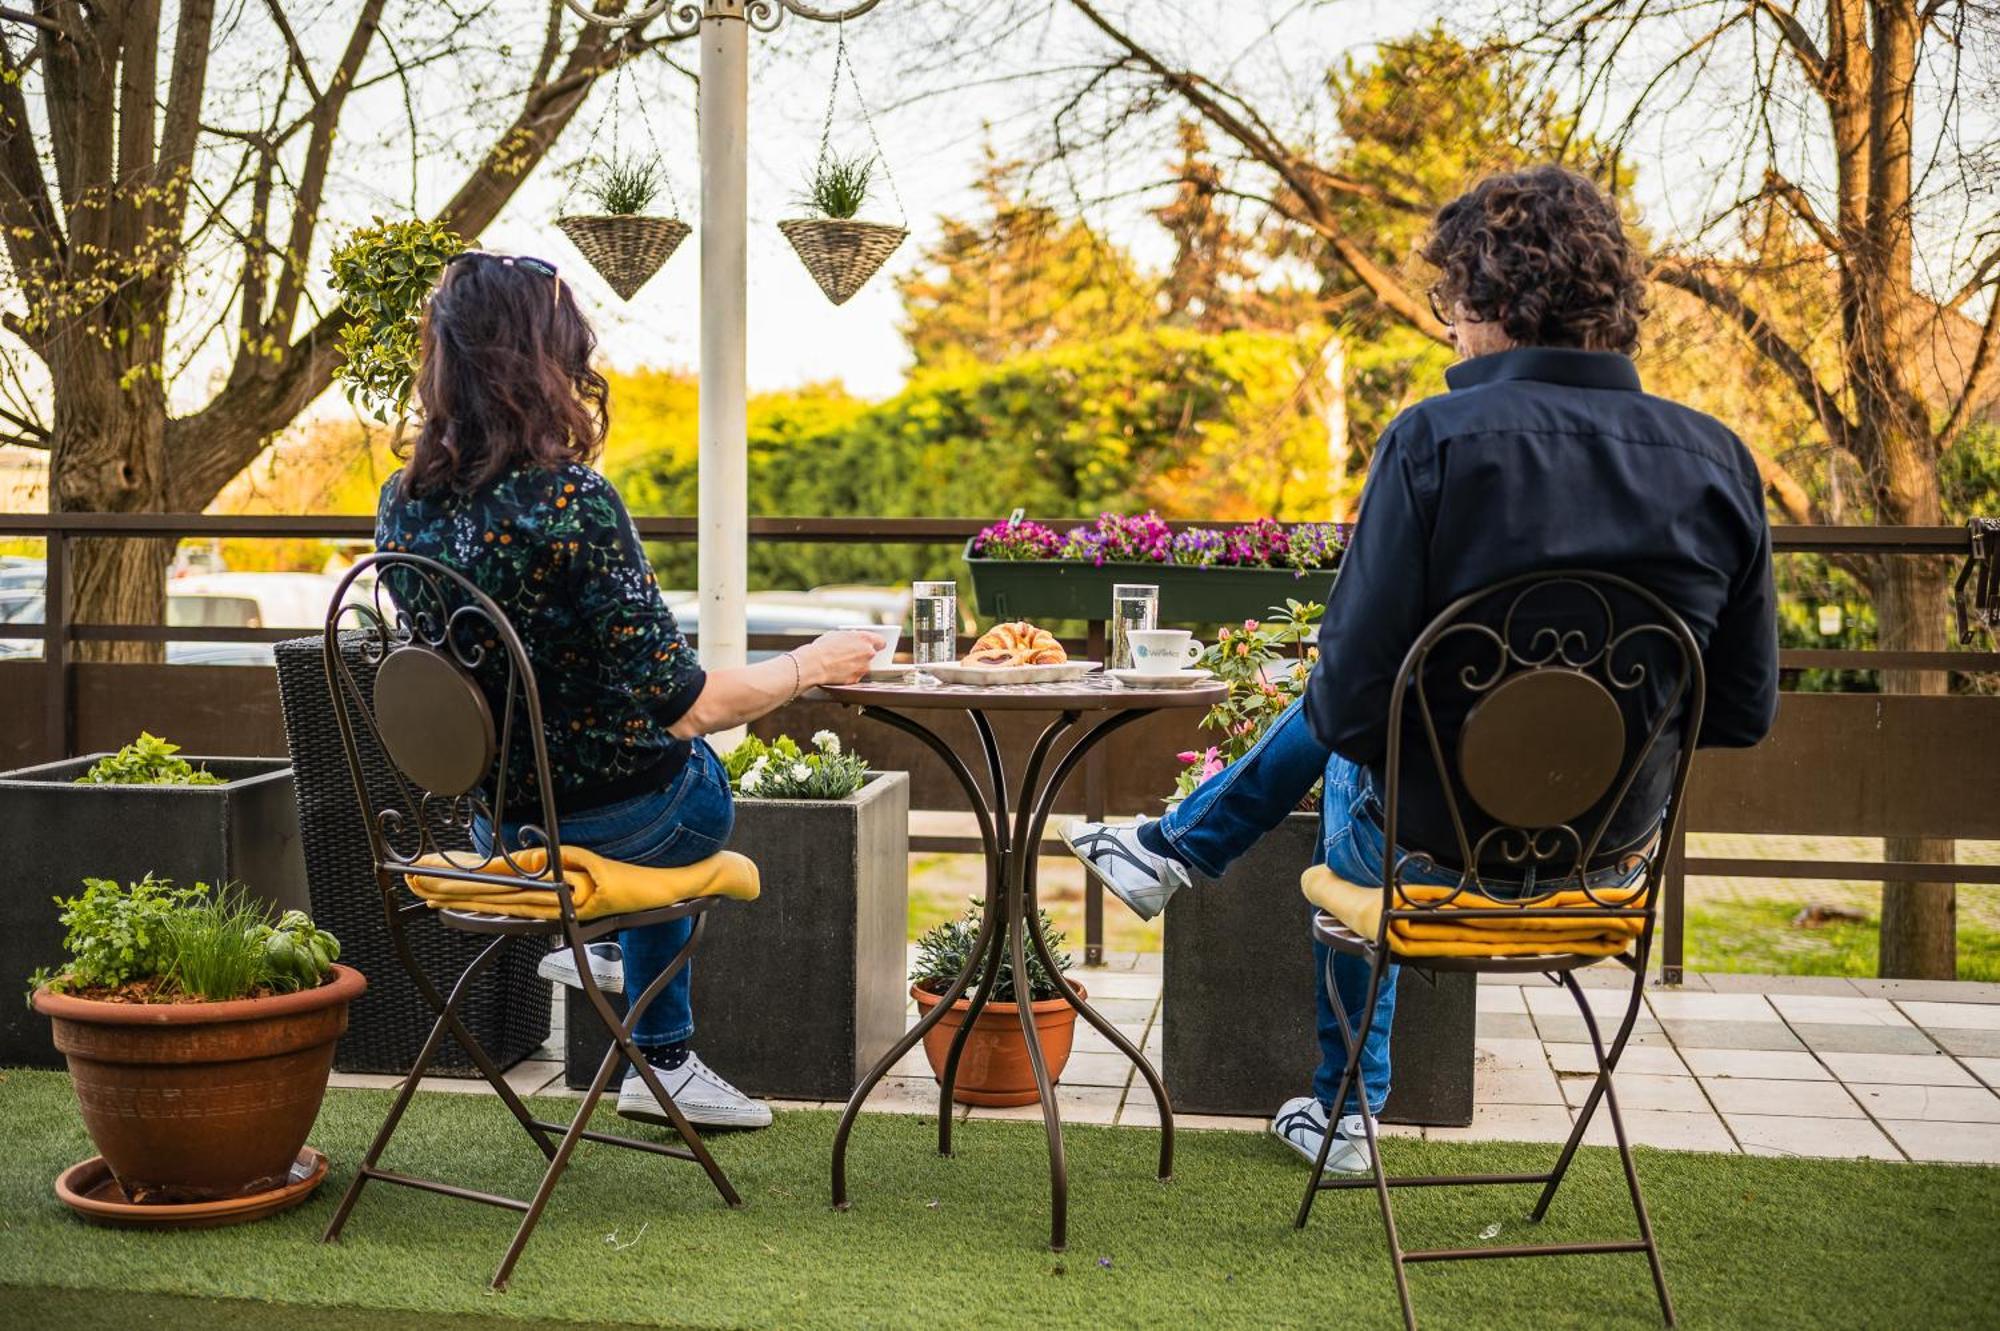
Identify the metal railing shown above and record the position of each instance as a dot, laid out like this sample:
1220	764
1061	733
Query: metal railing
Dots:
59	630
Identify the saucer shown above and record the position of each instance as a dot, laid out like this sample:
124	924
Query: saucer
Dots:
1173	679
891	674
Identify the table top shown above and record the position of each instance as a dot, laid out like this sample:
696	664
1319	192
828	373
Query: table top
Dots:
1092	693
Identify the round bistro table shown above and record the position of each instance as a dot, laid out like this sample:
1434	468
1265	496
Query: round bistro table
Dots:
1011	922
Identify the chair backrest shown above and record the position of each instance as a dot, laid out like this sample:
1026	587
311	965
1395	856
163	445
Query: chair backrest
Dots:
454	708
1539	701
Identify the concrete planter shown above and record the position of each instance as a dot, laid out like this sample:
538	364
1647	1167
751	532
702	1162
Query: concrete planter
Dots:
798	993
58	833
1042	589
1238	999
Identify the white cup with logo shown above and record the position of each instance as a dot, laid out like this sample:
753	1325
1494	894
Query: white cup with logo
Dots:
1163	651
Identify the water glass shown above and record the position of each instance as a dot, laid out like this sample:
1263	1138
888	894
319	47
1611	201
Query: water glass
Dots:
1135	607
933	626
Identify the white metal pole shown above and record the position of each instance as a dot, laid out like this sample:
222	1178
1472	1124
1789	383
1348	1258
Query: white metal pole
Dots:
723	490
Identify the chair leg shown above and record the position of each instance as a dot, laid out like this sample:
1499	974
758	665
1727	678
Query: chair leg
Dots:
447	1021
1600	1087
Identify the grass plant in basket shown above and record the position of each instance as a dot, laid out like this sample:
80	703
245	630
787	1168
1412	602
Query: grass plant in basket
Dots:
624	242
841	251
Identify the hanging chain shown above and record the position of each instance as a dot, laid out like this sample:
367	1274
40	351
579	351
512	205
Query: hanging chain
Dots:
841	60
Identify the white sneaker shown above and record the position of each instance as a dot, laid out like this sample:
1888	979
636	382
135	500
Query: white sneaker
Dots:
1301	1125
607	967
705	1098
1115	858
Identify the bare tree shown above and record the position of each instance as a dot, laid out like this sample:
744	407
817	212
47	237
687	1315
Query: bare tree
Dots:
150	159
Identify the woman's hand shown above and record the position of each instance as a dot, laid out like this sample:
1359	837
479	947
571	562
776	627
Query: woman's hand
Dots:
841	657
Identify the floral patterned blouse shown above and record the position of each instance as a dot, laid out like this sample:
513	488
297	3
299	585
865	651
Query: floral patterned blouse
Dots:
557	551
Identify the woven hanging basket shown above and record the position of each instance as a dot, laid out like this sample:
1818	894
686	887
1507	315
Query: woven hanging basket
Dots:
841	255
624	249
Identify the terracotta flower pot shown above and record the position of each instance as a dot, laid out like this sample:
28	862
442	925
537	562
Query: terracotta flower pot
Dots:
198	1101
994	1069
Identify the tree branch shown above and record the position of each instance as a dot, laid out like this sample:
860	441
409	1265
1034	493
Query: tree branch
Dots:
1766	339
1979	379
1801	207
49	25
1809	56
187	81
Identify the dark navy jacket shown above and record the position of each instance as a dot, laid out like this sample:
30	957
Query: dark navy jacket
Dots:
1542	458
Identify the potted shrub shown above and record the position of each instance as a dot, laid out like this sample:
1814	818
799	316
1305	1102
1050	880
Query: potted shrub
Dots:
994	1067
839	250
1026	570
1231	1047
121	815
826	940
624	243
199	1033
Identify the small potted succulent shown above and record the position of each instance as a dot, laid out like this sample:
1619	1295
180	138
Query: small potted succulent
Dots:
199	1032
994	1067
839	250
621	240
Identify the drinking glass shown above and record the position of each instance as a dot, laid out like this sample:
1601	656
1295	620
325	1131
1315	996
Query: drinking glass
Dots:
933	627
1134	607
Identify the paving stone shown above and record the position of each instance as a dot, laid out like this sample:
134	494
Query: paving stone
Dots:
1515	1086
1756	1063
1789	1099
1899	1069
1581	1060
1710	1007
1960	1143
1954	1016
1986	1069
1509	1123
1609	1005
1732	1035
1642	1090
1076	1104
1802	1009
1969	1044
364	1081
1499	998
1931	991
1839	1038
907	1095
1825	1138
1106	983
1506	1025
1125	1011
1493	1051
1571	1030
1947	1104
1665	1129
1097	1069
1836	985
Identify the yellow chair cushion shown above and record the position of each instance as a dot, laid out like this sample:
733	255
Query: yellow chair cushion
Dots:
598	886
1360	909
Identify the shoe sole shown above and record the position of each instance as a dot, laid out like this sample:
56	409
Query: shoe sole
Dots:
1113	888
698	1118
555	975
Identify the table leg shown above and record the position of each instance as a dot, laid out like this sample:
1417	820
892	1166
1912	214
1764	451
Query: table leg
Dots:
990	837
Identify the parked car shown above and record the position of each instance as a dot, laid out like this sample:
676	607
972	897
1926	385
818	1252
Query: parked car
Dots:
209	600
772	612
19	573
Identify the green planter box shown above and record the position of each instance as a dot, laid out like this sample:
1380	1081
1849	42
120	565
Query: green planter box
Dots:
1008	589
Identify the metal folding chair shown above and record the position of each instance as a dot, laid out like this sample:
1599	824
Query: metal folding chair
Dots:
1543	687
444	659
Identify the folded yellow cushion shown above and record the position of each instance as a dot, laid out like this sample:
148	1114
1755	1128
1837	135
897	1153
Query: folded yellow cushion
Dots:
598	886
1360	909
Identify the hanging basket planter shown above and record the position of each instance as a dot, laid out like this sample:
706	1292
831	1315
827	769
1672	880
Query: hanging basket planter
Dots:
625	249
842	254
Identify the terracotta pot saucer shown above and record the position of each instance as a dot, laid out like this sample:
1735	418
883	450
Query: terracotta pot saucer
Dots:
89	1189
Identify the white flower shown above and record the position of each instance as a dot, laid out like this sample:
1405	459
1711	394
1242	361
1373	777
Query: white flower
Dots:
753	778
800	772
826	742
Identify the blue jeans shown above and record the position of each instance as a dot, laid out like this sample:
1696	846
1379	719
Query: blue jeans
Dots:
1228	813
687	821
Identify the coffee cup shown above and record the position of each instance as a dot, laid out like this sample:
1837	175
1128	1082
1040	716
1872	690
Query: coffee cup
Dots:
890	634
1163	651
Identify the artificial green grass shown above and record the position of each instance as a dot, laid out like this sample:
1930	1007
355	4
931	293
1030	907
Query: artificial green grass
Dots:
936	1243
1757	937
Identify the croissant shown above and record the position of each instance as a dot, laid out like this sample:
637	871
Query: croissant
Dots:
1017	644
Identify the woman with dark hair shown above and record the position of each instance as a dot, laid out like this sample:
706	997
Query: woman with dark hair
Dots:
498	486
1543	454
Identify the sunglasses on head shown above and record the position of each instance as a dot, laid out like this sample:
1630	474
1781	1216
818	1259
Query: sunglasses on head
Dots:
529	262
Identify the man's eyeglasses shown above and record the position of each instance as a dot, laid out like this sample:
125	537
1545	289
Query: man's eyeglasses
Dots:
527	261
1438	311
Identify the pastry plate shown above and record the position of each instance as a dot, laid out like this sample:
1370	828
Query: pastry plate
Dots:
1177	679
891	674
960	673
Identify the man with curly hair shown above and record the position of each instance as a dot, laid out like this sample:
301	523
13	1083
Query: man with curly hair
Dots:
1544	454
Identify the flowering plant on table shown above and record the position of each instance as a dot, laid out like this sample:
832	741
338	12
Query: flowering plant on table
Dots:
1265	665
781	770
